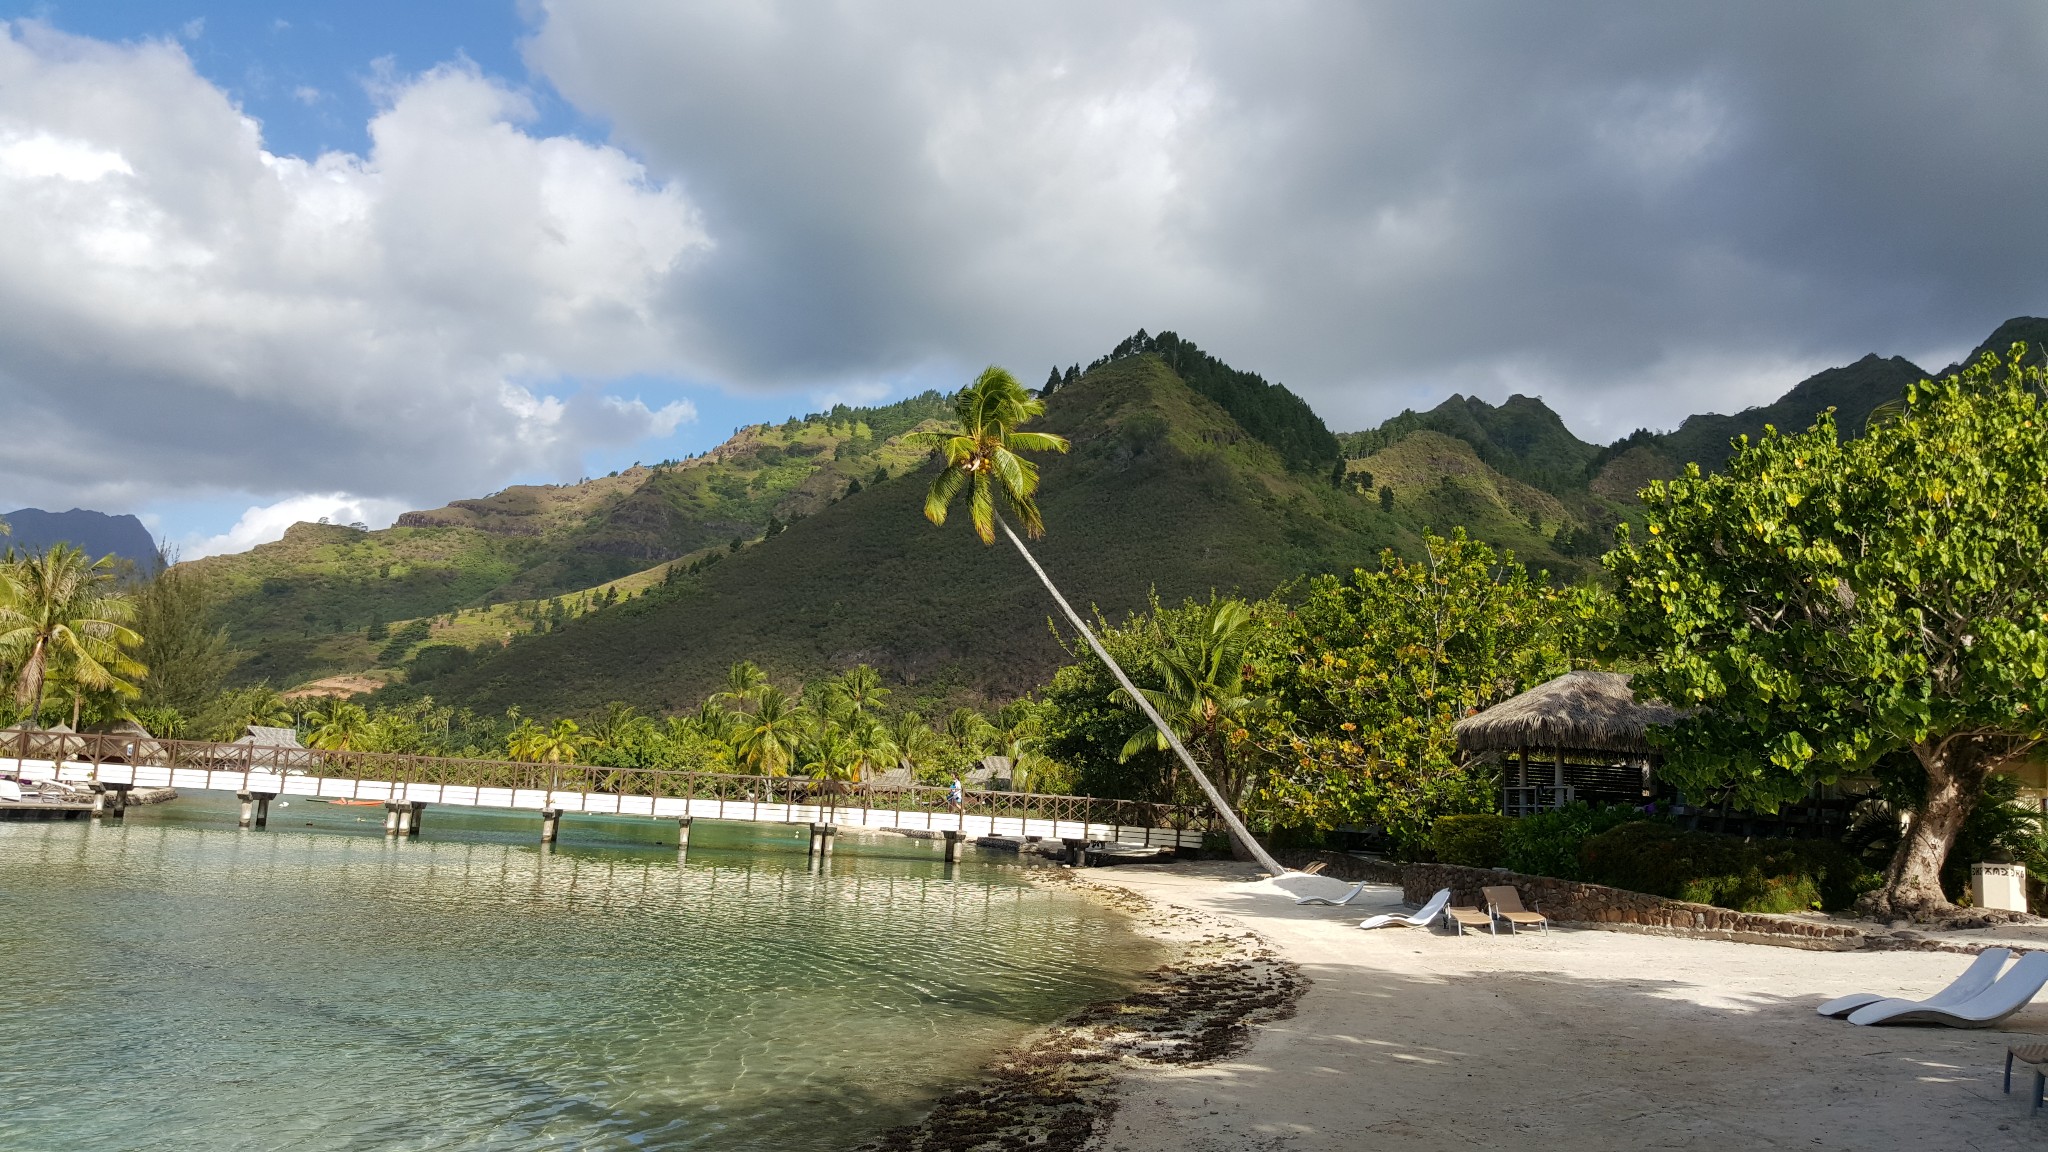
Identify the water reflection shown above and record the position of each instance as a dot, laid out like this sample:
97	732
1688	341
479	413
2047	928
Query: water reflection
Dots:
183	984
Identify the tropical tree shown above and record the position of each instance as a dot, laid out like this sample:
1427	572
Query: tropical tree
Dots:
230	714
1822	603
1379	665
768	735
913	740
860	690
743	682
560	744
187	654
64	616
1200	673
981	452
339	727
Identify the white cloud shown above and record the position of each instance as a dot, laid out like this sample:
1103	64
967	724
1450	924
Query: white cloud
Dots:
261	524
182	311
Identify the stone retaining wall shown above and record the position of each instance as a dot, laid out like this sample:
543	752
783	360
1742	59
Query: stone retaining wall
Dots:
1596	905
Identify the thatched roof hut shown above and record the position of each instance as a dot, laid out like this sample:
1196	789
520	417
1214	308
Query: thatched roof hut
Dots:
1586	711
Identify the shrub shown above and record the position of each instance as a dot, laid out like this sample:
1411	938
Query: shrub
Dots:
1547	843
1726	871
1474	841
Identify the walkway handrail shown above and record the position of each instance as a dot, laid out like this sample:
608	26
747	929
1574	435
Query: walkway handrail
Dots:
96	749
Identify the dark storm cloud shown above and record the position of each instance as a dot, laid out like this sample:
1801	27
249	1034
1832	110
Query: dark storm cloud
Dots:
1636	211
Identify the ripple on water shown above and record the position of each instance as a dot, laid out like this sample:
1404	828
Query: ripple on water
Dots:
179	984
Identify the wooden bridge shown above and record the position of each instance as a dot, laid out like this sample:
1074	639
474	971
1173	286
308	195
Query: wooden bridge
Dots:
105	767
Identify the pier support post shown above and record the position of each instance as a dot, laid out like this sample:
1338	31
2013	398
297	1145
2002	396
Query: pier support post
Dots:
394	818
119	804
825	839
682	833
248	809
263	800
412	817
99	804
817	845
1077	852
550	824
954	841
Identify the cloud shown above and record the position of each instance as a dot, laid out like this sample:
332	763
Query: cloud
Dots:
261	524
1367	201
184	312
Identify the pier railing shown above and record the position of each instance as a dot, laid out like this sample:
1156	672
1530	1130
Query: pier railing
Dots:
97	749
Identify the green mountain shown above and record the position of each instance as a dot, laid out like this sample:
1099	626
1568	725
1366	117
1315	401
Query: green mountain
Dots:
801	546
1164	490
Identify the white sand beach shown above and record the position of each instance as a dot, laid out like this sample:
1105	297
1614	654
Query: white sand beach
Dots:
1581	1039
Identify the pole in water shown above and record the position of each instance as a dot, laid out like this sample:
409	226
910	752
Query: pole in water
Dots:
953	842
682	833
825	835
263	809
394	818
550	824
412	817
99	804
248	809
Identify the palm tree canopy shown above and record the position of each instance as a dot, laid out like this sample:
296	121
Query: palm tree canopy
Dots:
59	609
981	453
769	735
1201	676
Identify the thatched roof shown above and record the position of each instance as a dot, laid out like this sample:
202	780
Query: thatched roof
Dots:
270	737
1591	711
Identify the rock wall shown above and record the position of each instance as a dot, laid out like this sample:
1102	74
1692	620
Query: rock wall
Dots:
1571	902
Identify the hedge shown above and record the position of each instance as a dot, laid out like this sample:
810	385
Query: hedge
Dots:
1726	871
1474	841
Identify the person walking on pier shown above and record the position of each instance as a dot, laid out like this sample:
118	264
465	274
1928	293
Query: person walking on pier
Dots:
956	796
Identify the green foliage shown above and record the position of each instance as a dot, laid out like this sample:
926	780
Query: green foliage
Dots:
186	653
1381	664
1476	840
1825	602
64	633
1548	843
1267	411
1726	871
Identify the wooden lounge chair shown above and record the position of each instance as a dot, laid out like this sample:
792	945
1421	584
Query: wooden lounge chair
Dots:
1503	901
2007	995
1976	978
1462	918
1315	868
1417	919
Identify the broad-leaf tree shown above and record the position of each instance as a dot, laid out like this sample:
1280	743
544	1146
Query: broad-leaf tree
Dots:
1382	663
981	453
64	616
1823	602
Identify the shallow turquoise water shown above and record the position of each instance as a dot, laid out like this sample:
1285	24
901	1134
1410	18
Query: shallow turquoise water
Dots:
176	983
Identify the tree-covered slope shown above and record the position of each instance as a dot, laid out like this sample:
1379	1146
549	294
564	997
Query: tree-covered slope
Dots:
1163	490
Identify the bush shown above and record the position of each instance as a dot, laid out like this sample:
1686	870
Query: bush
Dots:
1547	843
1726	871
1474	841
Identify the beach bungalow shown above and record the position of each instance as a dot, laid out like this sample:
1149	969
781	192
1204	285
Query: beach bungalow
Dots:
1583	736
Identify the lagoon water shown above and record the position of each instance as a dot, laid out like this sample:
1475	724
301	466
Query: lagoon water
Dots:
173	982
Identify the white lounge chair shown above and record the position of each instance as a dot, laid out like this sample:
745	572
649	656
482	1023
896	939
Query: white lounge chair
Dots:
1418	919
1976	978
2007	995
1335	901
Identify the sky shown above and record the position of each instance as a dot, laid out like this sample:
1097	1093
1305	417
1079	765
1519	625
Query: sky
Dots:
270	262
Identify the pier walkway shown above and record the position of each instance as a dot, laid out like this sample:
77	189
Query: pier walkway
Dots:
110	765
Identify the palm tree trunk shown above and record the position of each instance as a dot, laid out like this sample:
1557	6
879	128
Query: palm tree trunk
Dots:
1238	831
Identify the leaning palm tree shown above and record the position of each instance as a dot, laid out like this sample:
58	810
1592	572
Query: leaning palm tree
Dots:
60	612
981	454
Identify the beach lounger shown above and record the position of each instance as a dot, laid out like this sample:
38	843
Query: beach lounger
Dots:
1335	901
2007	995
1418	919
1506	903
1460	919
1976	978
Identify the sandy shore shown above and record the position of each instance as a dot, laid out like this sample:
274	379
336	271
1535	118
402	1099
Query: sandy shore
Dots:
1579	1039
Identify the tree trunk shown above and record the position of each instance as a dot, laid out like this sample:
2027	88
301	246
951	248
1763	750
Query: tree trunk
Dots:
1238	832
1956	769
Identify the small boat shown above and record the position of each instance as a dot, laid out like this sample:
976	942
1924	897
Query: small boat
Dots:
345	803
